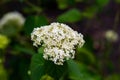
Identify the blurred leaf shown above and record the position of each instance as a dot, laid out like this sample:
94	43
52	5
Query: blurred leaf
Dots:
37	67
71	2
78	0
24	49
88	43
16	66
10	29
28	10
32	9
4	41
3	73
79	71
102	3
71	16
113	77
90	12
23	68
117	1
63	4
85	56
110	66
34	21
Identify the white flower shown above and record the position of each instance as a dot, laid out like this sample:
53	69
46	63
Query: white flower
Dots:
12	18
59	41
111	35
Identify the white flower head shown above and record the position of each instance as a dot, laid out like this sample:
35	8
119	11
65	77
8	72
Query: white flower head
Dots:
59	41
12	18
111	35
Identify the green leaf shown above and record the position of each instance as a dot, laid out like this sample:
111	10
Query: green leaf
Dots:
90	12
113	77
10	29
73	15
32	9
34	21
71	2
40	67
37	67
55	71
117	1
63	4
23	67
85	56
41	50
74	71
102	3
24	49
88	43
79	71
3	73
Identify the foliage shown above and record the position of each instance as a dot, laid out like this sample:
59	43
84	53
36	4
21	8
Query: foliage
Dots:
20	60
34	21
65	17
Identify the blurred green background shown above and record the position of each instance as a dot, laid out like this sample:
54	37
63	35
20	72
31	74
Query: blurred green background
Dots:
97	20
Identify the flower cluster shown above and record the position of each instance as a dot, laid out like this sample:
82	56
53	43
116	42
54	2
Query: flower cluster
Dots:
12	18
59	41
